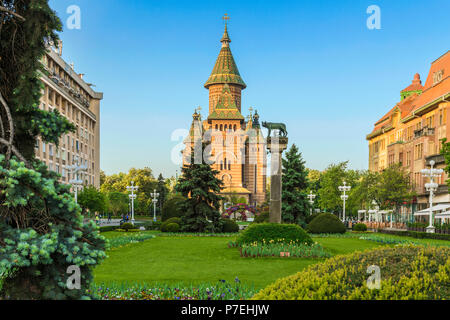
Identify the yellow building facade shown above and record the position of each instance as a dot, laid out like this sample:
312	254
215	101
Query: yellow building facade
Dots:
411	132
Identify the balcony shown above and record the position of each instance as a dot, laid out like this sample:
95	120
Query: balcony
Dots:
438	159
425	131
64	84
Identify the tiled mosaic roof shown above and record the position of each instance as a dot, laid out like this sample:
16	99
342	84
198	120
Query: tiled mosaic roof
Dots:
225	70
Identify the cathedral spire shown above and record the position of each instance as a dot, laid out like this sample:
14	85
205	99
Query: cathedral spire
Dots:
225	70
226	38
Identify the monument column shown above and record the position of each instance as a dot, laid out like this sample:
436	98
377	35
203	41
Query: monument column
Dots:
276	145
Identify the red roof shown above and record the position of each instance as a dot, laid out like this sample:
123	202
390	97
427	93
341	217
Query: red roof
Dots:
440	70
415	85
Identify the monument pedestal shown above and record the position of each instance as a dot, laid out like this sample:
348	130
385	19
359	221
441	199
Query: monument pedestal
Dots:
276	146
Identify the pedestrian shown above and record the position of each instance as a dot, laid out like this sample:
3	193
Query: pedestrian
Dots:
109	217
97	219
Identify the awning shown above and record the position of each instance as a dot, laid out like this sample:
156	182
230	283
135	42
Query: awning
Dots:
438	207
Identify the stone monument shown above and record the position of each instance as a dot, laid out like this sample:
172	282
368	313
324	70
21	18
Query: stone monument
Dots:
276	144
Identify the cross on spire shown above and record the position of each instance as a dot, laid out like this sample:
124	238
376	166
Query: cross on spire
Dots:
226	18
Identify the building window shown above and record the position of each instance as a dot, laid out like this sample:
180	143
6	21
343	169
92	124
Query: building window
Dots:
418	151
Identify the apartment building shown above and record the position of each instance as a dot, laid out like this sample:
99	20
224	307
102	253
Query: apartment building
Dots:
66	91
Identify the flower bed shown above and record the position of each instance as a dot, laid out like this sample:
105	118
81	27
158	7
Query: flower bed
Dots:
222	290
240	208
289	250
128	239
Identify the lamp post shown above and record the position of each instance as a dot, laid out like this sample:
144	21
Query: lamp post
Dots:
344	188
76	169
311	198
132	188
155	196
432	188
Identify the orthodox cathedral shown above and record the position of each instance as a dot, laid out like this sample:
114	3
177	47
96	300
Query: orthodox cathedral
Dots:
237	147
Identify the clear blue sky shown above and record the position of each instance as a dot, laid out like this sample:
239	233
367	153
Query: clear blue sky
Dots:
311	64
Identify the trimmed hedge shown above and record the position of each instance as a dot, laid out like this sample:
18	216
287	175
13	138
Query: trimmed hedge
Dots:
417	235
171	208
274	231
360	227
407	272
326	223
230	226
127	226
108	228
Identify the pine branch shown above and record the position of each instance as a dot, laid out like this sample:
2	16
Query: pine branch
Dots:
18	16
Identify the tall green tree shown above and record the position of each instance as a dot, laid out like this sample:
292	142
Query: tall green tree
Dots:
200	185
143	178
163	191
329	194
117	203
42	232
394	188
295	205
91	199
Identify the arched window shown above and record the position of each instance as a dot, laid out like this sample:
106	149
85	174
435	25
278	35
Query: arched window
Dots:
221	128
225	127
221	165
217	127
234	127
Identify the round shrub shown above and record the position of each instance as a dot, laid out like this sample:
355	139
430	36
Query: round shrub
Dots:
172	208
165	225
274	231
407	272
326	223
174	220
360	227
311	217
230	226
171	227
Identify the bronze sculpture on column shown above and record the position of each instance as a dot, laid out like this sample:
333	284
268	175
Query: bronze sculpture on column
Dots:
276	144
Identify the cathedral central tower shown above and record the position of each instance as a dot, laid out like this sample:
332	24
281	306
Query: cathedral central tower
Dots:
225	72
237	144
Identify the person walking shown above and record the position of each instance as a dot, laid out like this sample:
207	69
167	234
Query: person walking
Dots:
97	219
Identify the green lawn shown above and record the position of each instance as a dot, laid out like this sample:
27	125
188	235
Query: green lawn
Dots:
190	260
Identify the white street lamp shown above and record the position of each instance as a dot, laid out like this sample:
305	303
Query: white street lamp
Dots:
76	169
155	196
344	188
132	196
311	198
432	188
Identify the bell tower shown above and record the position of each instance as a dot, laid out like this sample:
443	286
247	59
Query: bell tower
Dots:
225	71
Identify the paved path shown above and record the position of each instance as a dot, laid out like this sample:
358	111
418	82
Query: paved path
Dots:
104	222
